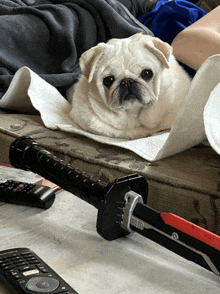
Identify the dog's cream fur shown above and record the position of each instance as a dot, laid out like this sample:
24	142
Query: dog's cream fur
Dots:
149	108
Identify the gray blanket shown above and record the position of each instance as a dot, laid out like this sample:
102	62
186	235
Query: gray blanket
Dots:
49	36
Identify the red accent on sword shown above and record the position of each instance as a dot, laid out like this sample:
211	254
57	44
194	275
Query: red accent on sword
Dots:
191	229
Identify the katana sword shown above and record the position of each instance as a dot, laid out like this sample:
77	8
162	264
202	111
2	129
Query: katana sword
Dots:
122	206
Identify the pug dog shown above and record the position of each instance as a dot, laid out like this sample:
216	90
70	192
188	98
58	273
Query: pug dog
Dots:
129	88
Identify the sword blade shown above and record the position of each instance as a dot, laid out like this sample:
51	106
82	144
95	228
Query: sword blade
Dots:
172	232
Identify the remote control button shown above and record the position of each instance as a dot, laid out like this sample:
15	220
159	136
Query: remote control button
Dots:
12	255
21	263
5	264
31	272
15	275
34	261
3	261
42	285
42	269
31	258
13	272
17	260
8	267
15	257
9	188
26	254
62	290
25	268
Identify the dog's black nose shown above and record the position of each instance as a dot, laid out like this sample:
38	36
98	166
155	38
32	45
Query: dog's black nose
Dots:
129	90
127	82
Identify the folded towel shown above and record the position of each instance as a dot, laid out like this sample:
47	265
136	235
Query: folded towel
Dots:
29	93
212	119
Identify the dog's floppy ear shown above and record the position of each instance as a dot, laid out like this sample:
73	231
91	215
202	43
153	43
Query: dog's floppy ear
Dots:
161	49
89	60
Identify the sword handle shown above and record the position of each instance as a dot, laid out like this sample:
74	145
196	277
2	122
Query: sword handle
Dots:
26	154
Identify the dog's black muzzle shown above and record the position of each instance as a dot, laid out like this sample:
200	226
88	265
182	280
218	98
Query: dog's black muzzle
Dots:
129	91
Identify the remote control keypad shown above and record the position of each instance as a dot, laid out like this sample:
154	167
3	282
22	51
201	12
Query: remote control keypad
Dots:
14	186
26	265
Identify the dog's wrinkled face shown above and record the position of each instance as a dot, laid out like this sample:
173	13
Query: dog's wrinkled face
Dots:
126	72
127	81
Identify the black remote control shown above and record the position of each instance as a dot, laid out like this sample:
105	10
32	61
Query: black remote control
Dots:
26	194
26	273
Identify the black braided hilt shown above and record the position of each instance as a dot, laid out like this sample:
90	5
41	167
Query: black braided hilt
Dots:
109	199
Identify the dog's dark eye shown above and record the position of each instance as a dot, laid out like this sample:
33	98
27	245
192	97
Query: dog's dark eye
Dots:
108	81
147	74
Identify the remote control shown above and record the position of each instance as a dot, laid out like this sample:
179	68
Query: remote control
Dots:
26	194
26	273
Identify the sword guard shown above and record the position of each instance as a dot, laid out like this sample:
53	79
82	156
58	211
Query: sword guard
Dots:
111	209
131	200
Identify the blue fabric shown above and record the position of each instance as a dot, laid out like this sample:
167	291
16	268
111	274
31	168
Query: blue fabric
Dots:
168	18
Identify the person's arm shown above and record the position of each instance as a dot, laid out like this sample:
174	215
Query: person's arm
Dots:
197	42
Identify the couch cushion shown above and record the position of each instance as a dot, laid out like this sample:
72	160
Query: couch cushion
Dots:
187	184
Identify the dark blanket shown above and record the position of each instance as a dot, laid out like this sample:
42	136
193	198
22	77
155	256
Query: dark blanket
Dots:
49	36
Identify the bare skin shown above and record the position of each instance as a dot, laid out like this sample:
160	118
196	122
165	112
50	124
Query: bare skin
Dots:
199	41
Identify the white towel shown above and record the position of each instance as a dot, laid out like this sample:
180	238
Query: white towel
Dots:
28	92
